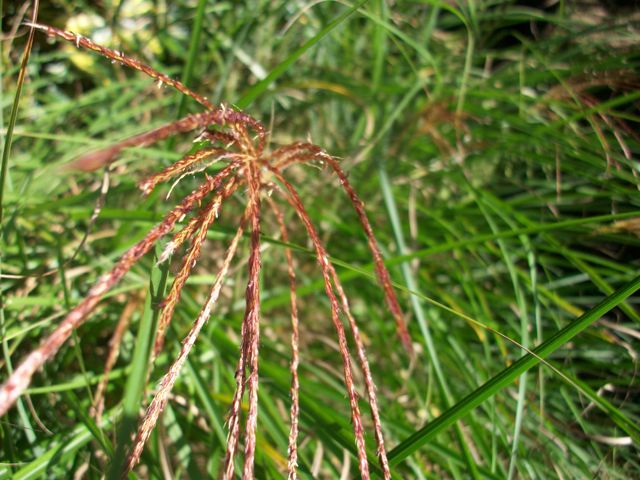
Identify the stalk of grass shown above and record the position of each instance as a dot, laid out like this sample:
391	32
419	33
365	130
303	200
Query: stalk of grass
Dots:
194	51
430	347
13	116
4	169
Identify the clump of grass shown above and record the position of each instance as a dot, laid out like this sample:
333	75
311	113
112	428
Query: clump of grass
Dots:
495	148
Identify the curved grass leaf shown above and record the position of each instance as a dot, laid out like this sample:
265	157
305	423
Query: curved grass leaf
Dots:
508	375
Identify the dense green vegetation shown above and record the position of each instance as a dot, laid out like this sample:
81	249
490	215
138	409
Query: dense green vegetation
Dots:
495	146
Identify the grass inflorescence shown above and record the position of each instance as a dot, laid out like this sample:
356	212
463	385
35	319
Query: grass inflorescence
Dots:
495	148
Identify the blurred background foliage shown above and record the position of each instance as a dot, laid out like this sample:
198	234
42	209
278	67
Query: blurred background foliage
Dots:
495	144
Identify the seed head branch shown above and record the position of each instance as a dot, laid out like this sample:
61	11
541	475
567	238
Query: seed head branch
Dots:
114	349
206	218
224	138
368	378
190	228
123	59
253	313
234	410
249	344
301	152
292	463
222	116
158	403
297	152
323	259
179	238
184	164
20	379
381	269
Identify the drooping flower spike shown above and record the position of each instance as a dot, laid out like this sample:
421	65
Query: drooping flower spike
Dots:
238	140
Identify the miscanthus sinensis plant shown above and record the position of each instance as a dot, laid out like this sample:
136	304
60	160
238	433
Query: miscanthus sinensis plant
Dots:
239	142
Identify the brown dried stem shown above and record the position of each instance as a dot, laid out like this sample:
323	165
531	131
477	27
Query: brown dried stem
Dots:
158	403
21	376
292	463
323	259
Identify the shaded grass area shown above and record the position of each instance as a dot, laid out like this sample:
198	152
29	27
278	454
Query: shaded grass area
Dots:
495	147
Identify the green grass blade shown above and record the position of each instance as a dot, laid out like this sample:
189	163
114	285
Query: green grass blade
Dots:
63	450
430	346
524	324
260	87
13	116
136	382
89	423
194	51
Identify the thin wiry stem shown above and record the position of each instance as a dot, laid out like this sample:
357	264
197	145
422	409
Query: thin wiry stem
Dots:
166	384
292	463
323	259
205	219
21	377
368	378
